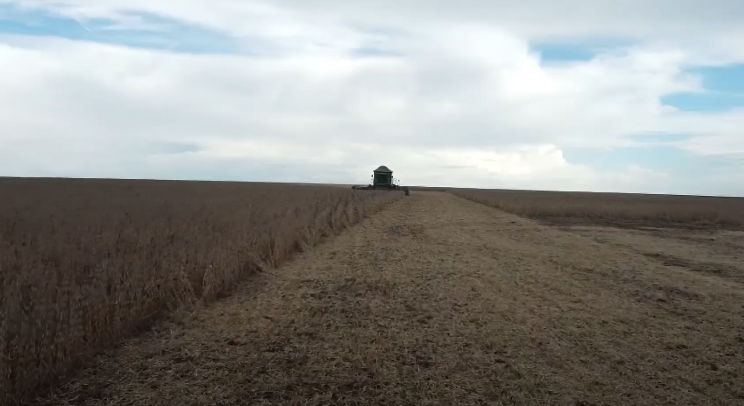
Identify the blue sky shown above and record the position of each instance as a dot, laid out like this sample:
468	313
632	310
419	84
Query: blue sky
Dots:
724	90
578	102
572	51
159	33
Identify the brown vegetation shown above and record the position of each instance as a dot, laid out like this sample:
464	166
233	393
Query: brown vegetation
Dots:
615	209
84	262
441	301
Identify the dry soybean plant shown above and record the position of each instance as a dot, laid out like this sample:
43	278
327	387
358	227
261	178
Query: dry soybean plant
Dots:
618	209
85	262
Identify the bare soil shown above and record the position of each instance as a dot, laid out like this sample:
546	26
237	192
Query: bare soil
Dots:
442	301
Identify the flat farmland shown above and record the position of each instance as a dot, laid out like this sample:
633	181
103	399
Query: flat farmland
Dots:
624	210
83	263
701	234
470	297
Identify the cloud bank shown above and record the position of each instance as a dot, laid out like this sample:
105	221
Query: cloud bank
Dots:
478	94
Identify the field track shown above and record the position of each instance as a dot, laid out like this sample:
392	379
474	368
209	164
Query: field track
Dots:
439	300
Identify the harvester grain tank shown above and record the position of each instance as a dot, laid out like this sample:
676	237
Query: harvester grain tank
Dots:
382	179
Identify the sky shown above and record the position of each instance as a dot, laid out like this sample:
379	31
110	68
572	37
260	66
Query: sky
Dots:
628	96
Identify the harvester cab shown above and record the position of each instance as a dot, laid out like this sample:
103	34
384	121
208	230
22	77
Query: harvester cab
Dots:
382	179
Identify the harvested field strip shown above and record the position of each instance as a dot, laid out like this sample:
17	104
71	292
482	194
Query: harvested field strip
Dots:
85	262
615	209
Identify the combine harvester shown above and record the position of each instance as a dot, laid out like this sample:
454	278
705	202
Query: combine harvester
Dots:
382	179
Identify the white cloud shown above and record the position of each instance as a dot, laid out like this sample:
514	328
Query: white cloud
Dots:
458	96
528	18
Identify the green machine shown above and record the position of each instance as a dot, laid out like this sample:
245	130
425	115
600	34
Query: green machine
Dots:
382	179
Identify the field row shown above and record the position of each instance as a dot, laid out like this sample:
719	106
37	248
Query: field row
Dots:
614	209
84	262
